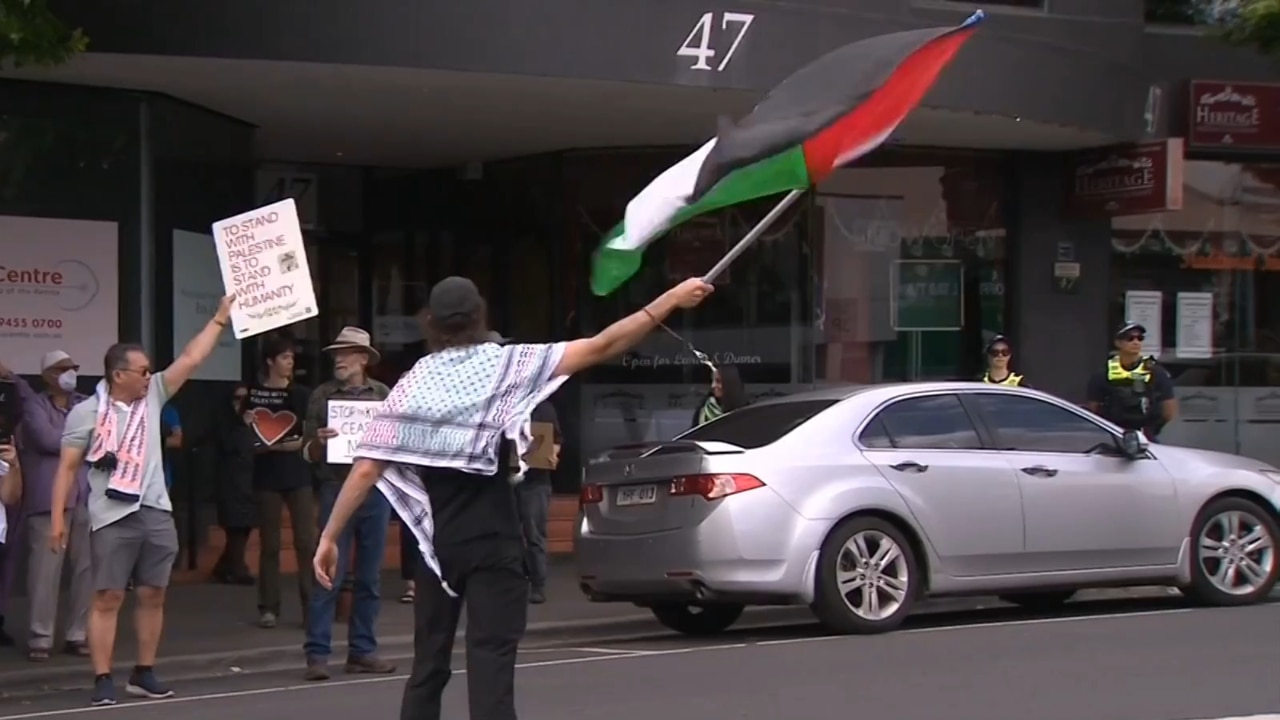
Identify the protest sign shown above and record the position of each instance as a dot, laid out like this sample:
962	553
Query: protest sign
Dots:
349	418
264	262
541	448
275	415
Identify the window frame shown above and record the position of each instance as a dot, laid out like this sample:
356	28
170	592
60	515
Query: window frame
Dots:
979	428
970	401
828	404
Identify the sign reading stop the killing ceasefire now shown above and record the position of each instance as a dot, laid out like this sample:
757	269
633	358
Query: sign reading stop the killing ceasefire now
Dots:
264	263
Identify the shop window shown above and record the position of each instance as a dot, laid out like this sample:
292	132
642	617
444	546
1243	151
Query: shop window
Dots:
1185	12
758	320
1205	280
66	167
911	266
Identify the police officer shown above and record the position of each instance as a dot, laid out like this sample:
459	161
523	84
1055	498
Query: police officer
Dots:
1135	392
999	354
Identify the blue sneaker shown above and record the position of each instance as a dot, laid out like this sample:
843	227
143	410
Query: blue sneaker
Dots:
143	684
104	692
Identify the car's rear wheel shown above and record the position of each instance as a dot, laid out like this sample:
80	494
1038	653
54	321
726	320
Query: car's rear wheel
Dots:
691	619
868	577
1039	600
1234	559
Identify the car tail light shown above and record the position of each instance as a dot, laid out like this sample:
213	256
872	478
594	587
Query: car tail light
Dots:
713	487
590	495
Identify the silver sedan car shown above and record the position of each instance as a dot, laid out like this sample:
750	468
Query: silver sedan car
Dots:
860	501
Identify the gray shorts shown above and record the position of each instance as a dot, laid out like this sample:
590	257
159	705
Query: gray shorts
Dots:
141	546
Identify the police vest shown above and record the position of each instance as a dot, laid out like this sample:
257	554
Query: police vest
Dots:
1128	402
1014	379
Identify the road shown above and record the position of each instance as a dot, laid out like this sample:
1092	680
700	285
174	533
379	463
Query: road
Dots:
1103	661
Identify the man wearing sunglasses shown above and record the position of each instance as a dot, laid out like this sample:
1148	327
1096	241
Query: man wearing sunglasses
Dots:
1134	392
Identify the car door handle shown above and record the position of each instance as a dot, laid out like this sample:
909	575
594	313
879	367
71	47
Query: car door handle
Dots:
910	466
1040	471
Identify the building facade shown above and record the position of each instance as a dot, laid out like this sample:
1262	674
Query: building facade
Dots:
1072	168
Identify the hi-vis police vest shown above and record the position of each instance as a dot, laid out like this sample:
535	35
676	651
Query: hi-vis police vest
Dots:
1013	379
1129	398
1117	373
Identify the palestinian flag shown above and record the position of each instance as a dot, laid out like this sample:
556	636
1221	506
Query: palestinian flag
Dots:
829	113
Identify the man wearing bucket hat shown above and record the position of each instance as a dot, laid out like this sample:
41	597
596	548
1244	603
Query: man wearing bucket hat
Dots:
352	355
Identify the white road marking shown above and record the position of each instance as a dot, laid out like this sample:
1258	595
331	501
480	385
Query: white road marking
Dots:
602	651
1003	623
618	655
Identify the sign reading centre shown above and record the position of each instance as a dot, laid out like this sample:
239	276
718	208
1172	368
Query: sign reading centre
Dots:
264	262
349	418
58	290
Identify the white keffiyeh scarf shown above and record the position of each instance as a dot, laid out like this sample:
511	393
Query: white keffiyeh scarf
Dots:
452	411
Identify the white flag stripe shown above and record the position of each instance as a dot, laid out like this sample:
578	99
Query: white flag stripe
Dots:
649	213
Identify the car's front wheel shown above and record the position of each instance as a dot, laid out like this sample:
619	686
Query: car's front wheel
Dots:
868	577
1235	558
692	619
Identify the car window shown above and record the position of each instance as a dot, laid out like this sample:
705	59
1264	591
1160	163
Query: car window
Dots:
1024	423
874	436
935	422
758	425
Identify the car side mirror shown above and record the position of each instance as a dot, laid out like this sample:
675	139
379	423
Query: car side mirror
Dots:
1133	444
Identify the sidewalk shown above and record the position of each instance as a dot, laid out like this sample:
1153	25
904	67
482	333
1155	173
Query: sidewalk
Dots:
214	626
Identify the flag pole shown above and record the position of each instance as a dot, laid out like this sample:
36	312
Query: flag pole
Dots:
750	238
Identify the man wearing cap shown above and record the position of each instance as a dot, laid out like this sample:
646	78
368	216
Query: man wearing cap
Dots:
441	452
44	416
367	533
1134	392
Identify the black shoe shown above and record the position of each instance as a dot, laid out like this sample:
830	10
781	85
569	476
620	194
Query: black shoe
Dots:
6	640
537	596
144	684
104	692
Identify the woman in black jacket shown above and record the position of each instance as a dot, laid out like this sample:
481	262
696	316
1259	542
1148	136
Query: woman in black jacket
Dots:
237	512
727	394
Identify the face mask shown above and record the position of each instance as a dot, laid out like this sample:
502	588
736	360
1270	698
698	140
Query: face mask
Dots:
67	381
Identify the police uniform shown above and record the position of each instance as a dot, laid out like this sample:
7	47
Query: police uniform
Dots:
1013	379
1132	397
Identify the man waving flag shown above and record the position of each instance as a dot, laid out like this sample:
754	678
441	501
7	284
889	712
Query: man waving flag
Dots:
832	111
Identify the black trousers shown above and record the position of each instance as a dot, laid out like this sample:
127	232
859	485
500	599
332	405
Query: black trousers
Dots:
489	576
409	555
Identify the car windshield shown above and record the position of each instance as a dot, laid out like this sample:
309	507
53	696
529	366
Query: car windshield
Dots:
758	425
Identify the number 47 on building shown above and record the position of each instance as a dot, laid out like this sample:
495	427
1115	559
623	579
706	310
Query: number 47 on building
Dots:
698	44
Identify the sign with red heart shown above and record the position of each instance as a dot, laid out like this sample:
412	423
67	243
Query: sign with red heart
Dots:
272	426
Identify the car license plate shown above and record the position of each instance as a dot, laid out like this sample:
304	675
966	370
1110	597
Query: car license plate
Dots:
636	495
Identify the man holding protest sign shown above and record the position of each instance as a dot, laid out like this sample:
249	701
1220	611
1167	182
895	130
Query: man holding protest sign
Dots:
337	414
132	536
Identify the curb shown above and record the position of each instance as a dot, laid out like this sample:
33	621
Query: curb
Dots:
539	635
